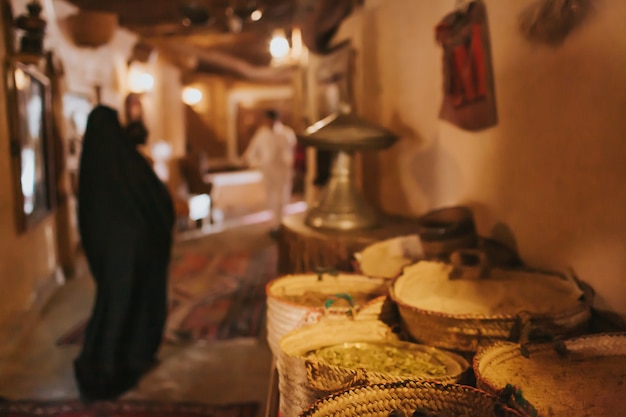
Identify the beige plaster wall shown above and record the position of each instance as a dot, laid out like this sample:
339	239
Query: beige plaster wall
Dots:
171	108
550	175
27	260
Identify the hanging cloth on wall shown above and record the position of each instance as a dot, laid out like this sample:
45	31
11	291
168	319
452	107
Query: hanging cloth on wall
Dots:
469	97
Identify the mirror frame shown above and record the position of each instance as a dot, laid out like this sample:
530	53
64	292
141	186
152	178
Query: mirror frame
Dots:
43	194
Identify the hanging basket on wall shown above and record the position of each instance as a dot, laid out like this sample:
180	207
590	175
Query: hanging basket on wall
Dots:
551	21
91	28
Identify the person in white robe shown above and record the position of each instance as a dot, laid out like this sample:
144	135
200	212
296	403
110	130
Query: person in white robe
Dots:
271	150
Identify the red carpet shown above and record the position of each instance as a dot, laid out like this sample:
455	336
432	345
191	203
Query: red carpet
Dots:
123	409
213	296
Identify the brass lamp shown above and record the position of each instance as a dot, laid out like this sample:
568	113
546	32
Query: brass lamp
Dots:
341	206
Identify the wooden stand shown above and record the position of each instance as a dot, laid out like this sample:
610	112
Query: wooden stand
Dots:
273	396
305	249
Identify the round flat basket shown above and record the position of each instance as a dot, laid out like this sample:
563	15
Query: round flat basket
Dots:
579	377
297	300
461	309
404	398
332	356
297	383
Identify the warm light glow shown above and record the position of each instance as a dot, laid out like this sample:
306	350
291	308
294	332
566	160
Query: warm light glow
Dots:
256	15
191	96
20	79
235	24
28	179
279	47
139	80
161	151
296	41
161	154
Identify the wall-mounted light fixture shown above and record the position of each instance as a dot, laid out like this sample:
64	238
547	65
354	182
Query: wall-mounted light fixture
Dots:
279	45
286	50
192	96
139	79
256	15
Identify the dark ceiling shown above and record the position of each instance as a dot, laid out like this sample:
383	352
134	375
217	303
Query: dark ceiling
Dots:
220	35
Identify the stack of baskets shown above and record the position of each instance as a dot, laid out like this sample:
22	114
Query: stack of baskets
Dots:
450	291
304	378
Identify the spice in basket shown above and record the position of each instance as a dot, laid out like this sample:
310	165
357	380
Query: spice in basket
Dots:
387	359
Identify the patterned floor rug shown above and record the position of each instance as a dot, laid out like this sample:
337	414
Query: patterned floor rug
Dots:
213	295
123	409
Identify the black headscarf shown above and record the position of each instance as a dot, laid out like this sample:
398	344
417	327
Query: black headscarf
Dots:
125	217
137	133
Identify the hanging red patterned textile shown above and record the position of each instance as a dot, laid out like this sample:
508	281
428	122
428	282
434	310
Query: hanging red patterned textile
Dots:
469	98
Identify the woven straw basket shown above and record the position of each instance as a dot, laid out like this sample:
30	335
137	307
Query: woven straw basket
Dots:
303	380
379	400
386	258
284	316
579	377
469	332
296	392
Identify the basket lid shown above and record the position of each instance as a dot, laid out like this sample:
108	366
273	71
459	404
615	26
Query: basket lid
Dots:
578	377
327	290
435	286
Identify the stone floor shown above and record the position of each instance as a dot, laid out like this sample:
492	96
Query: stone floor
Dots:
217	373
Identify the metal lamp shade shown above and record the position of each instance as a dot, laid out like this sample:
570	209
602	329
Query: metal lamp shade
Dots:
342	206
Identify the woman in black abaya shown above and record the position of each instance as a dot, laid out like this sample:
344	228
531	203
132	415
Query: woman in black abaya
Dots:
125	217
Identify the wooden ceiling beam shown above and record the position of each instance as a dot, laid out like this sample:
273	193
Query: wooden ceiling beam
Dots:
159	21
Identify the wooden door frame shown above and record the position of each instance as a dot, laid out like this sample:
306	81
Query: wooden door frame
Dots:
248	96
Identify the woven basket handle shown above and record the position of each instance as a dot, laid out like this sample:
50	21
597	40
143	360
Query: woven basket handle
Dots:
588	291
350	311
344	296
512	396
318	377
